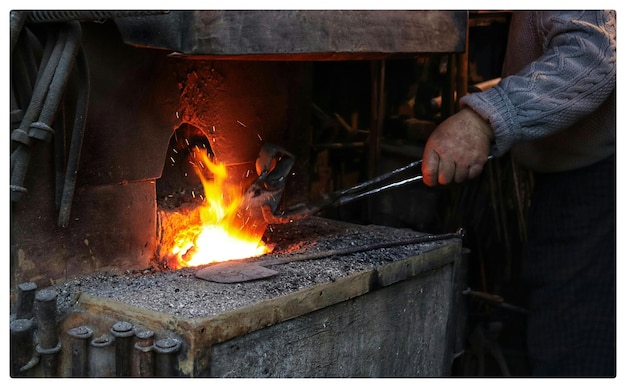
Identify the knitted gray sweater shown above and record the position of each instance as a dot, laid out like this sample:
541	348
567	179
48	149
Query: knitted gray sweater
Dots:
555	105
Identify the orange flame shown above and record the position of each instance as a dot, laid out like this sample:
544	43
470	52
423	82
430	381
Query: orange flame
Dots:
217	235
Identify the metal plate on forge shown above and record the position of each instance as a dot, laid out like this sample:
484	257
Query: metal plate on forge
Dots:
234	272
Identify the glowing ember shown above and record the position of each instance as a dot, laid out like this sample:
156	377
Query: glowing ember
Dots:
217	233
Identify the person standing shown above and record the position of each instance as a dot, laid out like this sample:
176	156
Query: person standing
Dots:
554	111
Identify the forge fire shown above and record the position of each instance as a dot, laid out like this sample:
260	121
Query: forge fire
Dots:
214	229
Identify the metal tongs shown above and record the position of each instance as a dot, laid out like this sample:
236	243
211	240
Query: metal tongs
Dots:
273	166
344	196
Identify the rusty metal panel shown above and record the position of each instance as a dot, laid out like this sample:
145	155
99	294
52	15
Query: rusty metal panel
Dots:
299	35
132	110
112	226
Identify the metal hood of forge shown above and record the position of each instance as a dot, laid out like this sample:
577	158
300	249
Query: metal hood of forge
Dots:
298	35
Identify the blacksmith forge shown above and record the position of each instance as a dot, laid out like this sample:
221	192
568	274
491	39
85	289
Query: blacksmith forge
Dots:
103	104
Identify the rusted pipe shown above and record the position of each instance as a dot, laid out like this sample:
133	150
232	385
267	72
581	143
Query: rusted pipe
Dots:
44	104
21	345
48	338
25	300
102	357
143	360
18	19
76	143
41	129
166	357
52	56
20	158
80	337
21	85
123	333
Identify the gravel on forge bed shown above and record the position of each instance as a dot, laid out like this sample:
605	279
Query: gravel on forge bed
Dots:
182	294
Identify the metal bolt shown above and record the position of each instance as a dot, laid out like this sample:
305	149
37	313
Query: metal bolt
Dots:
122	329
79	335
80	332
25	300
167	345
40	130
21	345
143	365
166	357
49	345
102	357
20	136
123	332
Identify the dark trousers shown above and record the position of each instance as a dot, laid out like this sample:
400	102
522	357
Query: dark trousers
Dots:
570	272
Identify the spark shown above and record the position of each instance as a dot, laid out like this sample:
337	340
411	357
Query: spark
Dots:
242	124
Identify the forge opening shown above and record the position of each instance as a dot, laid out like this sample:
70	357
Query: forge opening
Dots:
179	183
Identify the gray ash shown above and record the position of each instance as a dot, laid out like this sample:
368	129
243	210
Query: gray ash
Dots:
181	294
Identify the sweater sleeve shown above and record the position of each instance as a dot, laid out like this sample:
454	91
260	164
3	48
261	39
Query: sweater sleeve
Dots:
572	78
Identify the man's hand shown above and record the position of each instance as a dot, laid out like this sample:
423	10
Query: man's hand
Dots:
457	149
